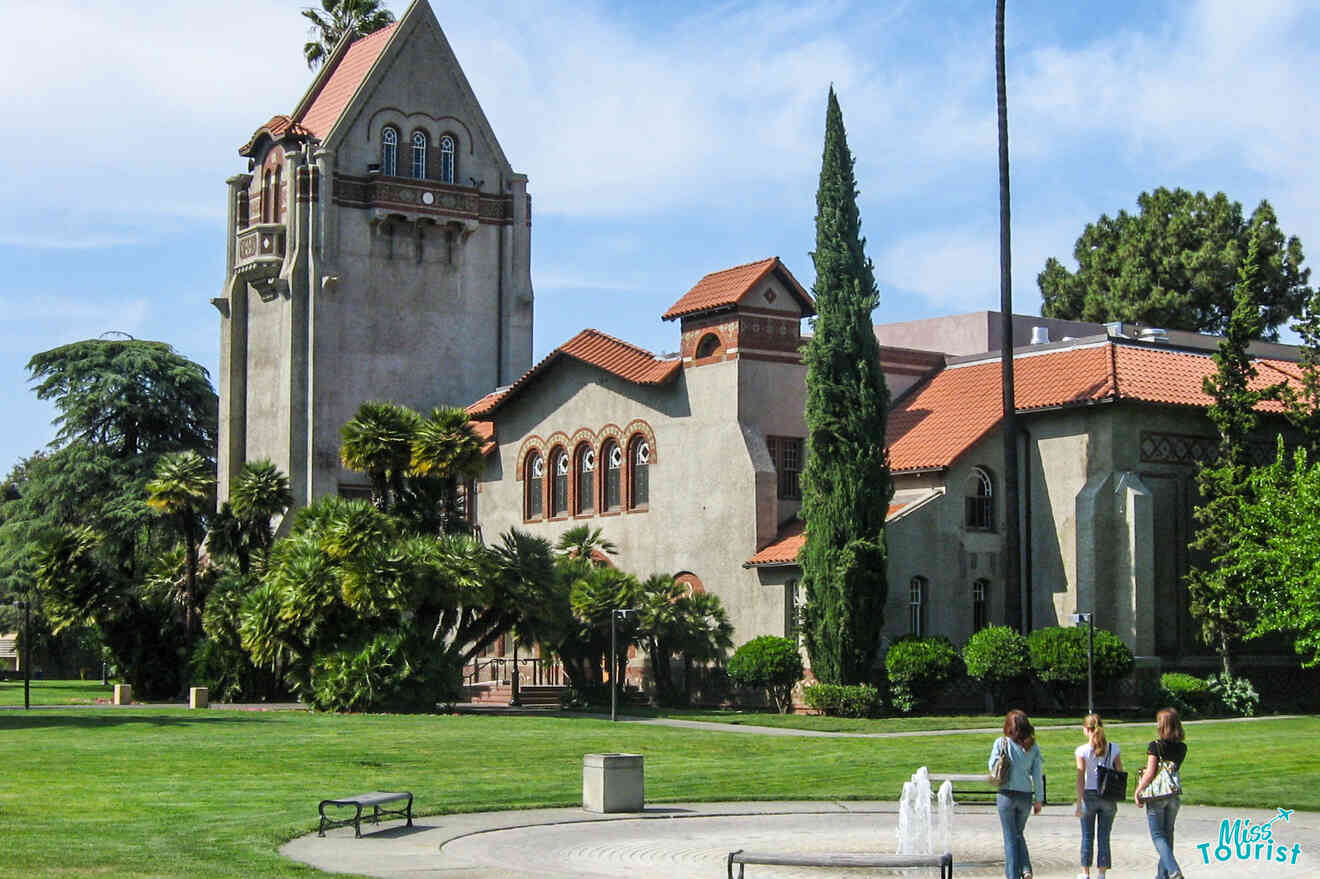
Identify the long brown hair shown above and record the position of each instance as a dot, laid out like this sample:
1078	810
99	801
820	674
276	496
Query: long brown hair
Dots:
1019	729
1169	725
1096	727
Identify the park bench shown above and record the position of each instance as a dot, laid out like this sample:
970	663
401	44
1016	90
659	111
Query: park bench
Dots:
983	792
358	802
742	858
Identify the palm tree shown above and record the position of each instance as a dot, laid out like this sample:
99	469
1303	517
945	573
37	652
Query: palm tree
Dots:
261	492
445	449
583	542
182	487
1012	567
336	18
378	441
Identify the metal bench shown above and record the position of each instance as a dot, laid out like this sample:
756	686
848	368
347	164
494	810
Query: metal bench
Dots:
358	802
742	858
983	793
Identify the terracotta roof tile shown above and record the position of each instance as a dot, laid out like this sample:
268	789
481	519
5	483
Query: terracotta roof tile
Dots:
784	549
944	417
338	89
613	355
485	431
725	288
277	127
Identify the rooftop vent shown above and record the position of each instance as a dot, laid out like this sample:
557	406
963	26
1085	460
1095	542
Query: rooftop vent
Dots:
1040	335
1153	334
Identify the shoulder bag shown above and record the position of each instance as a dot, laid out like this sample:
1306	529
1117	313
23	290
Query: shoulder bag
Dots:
1111	784
1000	766
1166	782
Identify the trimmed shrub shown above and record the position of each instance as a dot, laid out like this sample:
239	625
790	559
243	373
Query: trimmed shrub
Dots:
1058	658
1237	695
1188	693
918	669
770	663
844	700
998	657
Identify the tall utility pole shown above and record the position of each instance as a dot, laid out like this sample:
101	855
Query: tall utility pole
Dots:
1012	537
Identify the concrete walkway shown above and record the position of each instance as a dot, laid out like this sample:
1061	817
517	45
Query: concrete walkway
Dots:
693	839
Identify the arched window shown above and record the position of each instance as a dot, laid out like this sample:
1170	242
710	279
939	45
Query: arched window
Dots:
535	479
586	479
419	155
709	344
559	483
447	159
389	151
792	609
613	456
275	196
266	198
639	494
917	605
980	502
980	605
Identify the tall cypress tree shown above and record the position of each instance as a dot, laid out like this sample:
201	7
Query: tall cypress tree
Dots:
845	484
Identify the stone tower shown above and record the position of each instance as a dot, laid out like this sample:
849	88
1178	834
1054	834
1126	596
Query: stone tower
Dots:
378	248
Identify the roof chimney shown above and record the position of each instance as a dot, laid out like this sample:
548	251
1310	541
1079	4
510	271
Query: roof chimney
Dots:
1040	335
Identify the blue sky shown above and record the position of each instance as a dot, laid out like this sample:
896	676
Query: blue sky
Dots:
662	142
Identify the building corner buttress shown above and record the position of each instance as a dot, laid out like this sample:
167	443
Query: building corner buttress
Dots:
232	305
519	302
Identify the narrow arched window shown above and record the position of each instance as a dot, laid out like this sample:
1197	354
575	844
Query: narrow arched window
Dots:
419	155
613	456
535	479
640	478
275	196
447	170
389	151
586	480
559	484
266	197
980	501
980	605
709	344
917	605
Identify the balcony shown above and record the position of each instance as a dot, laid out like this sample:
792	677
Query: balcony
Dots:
259	256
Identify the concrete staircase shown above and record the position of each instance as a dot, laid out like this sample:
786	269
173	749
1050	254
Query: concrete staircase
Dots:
531	696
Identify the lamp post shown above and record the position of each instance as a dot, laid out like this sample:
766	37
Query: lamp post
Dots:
1089	619
26	606
619	613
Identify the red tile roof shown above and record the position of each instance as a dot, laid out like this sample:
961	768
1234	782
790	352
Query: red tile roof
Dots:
725	288
613	355
784	549
485	431
950	412
339	87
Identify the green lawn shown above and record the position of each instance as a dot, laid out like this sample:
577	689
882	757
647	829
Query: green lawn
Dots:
855	724
56	692
173	793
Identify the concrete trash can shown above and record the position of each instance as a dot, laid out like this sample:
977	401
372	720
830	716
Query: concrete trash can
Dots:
198	697
613	783
123	694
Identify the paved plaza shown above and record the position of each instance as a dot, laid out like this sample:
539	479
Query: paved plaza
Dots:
682	840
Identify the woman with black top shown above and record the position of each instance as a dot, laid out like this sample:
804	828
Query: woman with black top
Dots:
1161	813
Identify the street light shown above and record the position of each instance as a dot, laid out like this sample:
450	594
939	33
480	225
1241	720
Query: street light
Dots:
1089	619
619	613
26	606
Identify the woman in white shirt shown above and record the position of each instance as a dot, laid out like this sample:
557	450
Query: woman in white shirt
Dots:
1097	814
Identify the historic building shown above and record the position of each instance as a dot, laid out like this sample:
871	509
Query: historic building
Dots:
378	247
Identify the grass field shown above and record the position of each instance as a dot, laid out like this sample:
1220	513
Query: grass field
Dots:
55	692
173	793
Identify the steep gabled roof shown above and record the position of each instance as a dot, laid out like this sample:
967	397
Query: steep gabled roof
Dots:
615	356
332	92
933	425
723	289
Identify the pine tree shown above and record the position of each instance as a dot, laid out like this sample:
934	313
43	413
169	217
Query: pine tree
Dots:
845	483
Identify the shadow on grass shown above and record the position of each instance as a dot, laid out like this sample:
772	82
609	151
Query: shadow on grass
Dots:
107	718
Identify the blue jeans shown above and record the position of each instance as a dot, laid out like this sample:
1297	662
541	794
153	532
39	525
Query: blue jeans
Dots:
1014	807
1097	813
1160	815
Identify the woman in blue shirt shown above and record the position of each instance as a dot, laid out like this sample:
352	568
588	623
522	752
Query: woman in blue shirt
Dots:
1021	793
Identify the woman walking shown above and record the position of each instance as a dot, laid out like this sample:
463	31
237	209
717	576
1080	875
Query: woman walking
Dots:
1097	813
1162	812
1021	792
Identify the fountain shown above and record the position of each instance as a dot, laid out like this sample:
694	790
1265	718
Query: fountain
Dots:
921	831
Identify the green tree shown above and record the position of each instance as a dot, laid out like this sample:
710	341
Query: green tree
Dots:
184	487
845	484
1302	400
676	624
335	19
1176	264
378	441
1220	600
770	663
